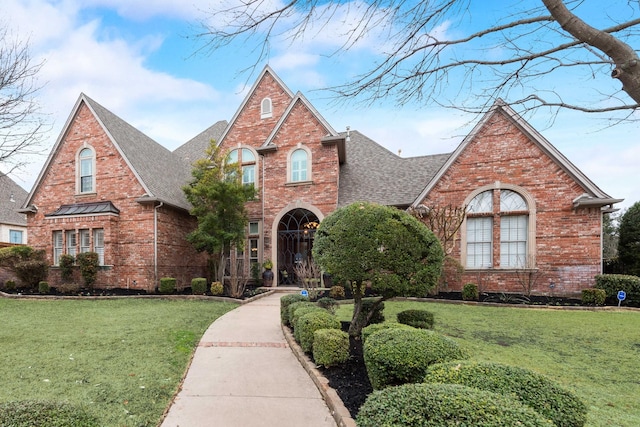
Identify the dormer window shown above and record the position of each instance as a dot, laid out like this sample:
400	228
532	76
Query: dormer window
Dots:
86	170
266	110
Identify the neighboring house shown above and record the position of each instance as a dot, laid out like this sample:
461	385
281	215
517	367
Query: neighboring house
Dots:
531	214
13	224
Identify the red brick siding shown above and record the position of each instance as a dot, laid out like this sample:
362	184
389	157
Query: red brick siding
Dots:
567	240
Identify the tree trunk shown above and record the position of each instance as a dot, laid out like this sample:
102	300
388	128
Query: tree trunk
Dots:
623	56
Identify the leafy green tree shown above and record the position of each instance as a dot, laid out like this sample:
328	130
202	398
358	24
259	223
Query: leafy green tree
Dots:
365	244
629	243
218	197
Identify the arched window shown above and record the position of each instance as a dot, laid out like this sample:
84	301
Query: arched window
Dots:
86	170
266	110
504	214
247	161
299	165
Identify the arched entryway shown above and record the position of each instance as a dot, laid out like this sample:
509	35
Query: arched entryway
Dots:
296	230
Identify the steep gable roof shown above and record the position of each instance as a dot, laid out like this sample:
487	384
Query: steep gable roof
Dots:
195	148
159	172
594	196
12	197
373	173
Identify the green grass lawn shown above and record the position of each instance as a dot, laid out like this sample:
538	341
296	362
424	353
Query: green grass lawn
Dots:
594	353
121	360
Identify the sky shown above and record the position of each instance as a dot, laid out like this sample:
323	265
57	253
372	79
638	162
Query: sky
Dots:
141	60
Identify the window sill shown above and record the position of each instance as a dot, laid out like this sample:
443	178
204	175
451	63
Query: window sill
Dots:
297	183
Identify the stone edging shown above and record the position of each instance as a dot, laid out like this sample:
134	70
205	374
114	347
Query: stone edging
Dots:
340	413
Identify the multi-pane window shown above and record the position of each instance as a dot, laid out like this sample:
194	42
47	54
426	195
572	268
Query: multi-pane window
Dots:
86	176
509	220
253	246
15	236
247	161
98	244
58	247
85	241
299	165
71	242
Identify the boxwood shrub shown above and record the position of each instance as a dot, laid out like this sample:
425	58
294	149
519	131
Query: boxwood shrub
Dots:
310	322
199	286
330	347
470	292
167	285
612	283
368	330
592	296
435	405
32	413
421	319
537	391
304	306
399	356
285	302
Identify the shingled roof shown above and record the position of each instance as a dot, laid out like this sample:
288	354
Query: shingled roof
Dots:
195	148
373	173
12	197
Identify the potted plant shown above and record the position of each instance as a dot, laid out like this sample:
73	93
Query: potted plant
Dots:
267	274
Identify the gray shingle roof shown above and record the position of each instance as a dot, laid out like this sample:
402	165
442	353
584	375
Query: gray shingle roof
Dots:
373	173
12	197
161	172
195	148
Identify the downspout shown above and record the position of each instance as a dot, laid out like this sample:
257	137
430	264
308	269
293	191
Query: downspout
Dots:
155	243
275	279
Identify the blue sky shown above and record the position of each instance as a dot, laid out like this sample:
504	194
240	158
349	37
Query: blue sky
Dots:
139	59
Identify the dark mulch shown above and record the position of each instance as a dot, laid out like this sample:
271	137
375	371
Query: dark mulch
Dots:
350	380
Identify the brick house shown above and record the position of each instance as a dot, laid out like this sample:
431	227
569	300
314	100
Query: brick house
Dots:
529	211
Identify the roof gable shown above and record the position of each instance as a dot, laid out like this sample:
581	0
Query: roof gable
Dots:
12	196
500	107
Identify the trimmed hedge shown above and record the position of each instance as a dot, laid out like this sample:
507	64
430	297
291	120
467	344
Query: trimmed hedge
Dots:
330	347
285	302
592	296
442	405
537	391
328	304
50	414
293	308
199	286
612	283
310	322
421	319
368	330
399	356
367	306
470	292
167	285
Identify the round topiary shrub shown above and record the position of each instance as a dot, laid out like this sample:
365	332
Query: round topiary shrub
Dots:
421	319
28	414
330	347
537	391
199	286
399	356
436	405
368	330
310	322
167	285
328	304
336	292
470	292
291	311
216	288
285	302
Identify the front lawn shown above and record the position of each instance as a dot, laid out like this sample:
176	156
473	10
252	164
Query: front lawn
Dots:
120	360
594	353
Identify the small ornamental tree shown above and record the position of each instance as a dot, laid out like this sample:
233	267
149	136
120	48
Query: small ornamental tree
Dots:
629	240
218	197
365	244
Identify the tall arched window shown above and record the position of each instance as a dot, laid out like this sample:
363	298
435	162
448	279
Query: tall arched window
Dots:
266	110
299	168
247	161
502	214
86	170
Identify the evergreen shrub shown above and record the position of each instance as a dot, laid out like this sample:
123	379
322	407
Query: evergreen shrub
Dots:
217	288
546	397
398	356
328	304
612	283
330	347
336	292
43	287
199	286
285	302
593	296
167	285
436	405
470	292
310	322
368	330
421	319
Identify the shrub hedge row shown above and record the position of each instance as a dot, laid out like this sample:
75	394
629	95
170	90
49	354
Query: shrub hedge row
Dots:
285	302
368	330
310	322
330	347
612	283
593	296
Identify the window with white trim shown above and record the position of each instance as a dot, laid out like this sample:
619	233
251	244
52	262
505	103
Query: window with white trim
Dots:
508	219
71	242
266	108
299	161
15	236
58	247
86	172
254	243
247	161
85	241
98	244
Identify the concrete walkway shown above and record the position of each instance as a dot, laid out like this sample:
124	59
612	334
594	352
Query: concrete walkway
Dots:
244	374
